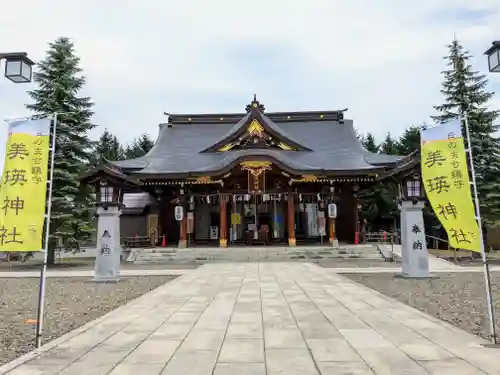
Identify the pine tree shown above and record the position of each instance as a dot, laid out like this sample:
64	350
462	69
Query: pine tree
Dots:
464	91
108	147
389	146
369	143
139	147
59	82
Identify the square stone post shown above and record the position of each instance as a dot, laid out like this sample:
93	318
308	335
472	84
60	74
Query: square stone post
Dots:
415	257
108	254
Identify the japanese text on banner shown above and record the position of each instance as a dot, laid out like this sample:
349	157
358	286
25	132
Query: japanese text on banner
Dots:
446	182
23	191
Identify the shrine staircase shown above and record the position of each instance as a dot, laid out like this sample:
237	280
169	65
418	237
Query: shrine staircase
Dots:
200	255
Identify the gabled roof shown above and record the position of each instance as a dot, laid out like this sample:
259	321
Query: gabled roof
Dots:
404	167
108	170
256	121
187	146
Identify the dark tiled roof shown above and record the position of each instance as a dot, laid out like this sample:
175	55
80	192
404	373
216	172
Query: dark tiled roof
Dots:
333	144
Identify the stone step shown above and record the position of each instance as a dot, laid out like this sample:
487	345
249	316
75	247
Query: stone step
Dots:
306	254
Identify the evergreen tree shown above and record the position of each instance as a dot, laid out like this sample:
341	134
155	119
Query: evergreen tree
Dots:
369	143
378	205
59	82
139	147
464	91
409	141
108	147
389	146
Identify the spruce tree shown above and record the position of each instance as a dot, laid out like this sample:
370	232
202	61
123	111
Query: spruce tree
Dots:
369	143
59	83
139	147
389	146
464	91
108	147
409	141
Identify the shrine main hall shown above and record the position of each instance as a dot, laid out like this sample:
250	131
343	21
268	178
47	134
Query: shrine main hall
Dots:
245	179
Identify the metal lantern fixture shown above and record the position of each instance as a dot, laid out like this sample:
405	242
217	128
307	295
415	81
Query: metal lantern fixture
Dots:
108	194
18	66
493	54
413	187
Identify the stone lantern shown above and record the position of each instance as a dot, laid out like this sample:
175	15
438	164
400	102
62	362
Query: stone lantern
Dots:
411	202
109	183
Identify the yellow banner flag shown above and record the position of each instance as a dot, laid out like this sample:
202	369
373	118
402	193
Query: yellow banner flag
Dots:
24	186
446	182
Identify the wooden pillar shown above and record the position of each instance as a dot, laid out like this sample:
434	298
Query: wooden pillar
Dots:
182	223
357	231
332	237
223	221
291	220
331	230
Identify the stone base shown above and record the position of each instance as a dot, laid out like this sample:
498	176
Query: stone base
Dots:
292	242
406	276
105	280
491	346
222	242
182	244
334	242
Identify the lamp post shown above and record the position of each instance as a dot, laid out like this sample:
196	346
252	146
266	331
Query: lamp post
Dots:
18	66
493	54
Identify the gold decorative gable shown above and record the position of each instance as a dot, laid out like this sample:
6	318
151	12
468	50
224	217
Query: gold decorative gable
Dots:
255	129
227	147
256	137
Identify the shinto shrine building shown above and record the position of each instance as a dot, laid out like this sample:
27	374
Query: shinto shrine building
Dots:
246	178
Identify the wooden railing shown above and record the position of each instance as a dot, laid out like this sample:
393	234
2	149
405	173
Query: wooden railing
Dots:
379	237
137	242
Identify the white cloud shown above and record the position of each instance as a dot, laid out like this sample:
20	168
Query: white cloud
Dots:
381	59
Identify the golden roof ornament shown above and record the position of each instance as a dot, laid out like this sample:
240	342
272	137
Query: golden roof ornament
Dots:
255	105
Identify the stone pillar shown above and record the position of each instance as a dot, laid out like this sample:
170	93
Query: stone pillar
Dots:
223	221
415	257
291	220
107	264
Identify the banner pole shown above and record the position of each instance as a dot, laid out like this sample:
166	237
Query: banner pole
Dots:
487	281
43	271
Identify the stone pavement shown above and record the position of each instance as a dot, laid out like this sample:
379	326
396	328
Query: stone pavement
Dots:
267	318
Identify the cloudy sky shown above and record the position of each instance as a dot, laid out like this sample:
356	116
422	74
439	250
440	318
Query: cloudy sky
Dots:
381	59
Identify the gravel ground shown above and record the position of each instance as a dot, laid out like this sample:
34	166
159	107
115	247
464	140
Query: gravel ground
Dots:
458	298
357	263
88	264
70	303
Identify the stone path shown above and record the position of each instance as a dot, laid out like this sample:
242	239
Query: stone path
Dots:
267	318
178	272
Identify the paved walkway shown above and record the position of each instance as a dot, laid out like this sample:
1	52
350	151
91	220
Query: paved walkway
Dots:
255	319
179	272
